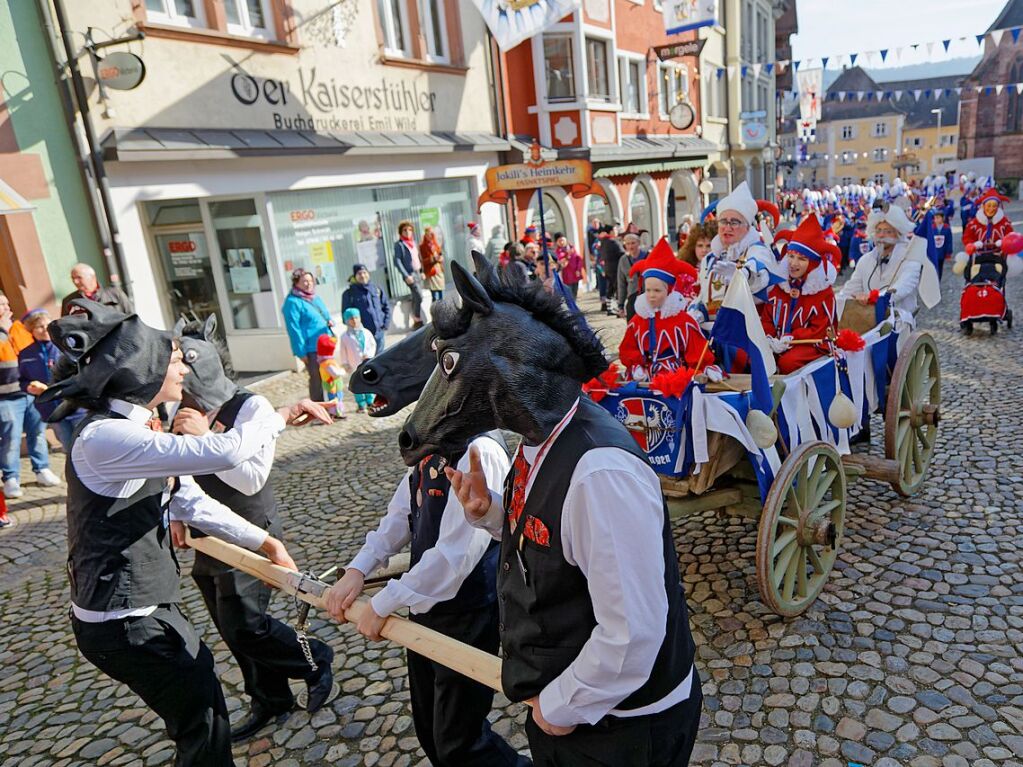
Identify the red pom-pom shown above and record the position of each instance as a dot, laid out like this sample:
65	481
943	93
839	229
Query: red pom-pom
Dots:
850	341
970	247
598	387
673	383
874	295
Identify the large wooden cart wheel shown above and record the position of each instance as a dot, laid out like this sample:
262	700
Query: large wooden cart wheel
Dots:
913	411
801	528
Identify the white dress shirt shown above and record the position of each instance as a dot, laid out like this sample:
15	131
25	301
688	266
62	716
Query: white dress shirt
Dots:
249	476
623	561
439	574
113	457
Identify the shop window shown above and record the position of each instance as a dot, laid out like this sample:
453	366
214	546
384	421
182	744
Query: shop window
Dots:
394	21
173	212
431	17
250	297
632	76
559	67
598	77
327	231
185	13
251	18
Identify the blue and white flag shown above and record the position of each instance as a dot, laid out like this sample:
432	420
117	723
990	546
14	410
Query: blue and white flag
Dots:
512	21
737	325
683	15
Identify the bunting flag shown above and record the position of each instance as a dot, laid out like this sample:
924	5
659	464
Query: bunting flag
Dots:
756	70
1019	88
838	59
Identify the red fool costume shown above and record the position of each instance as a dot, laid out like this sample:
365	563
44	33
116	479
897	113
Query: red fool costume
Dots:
801	309
668	338
980	229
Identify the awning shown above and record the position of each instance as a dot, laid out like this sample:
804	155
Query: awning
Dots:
157	144
655	147
11	201
607	171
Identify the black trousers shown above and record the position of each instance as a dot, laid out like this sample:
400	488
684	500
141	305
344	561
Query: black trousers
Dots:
665	739
267	650
450	710
162	660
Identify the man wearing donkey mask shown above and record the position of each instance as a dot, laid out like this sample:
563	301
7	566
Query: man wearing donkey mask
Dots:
268	652
122	569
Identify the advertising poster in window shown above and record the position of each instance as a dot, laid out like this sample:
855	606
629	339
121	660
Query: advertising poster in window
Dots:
186	259
369	243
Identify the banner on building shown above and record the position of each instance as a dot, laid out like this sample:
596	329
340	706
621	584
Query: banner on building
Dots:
512	21
811	93
683	15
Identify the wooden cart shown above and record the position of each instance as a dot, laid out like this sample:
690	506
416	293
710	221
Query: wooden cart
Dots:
801	519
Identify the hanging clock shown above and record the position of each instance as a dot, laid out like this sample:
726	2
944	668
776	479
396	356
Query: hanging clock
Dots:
682	115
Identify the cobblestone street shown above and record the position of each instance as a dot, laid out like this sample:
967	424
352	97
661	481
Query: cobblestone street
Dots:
913	654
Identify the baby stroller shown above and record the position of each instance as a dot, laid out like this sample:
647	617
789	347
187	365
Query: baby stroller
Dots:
983	297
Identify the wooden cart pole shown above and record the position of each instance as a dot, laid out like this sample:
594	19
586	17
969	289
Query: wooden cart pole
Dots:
458	656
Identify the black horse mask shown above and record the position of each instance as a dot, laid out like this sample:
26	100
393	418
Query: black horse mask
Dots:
206	386
510	356
396	376
116	354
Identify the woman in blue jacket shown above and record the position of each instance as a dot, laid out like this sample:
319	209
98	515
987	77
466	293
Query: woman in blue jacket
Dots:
306	317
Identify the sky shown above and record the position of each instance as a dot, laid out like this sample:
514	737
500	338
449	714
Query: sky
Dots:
830	27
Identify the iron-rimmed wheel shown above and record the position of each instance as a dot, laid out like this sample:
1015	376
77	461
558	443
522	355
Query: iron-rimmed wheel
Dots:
913	411
801	528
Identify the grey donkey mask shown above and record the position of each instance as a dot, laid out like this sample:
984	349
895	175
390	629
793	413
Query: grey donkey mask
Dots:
116	354
206	386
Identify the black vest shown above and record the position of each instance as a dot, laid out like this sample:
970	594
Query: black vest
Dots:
547	615
429	488
259	508
119	549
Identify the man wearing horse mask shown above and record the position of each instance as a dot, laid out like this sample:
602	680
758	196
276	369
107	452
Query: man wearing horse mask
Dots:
268	651
594	625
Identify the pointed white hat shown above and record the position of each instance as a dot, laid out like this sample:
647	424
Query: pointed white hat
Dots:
741	201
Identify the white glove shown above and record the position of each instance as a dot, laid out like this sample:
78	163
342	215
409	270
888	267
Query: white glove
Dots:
713	373
724	269
779	345
639	373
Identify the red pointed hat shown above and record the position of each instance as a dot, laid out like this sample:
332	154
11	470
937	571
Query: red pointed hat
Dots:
992	194
809	240
662	264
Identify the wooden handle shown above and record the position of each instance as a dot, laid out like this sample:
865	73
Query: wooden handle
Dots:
799	341
458	656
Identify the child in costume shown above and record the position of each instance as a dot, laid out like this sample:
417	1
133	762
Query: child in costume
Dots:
357	345
804	306
332	377
934	228
662	336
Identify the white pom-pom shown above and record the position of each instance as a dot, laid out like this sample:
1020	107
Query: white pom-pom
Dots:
1014	265
761	428
842	412
959	265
